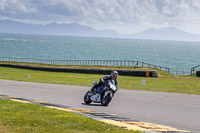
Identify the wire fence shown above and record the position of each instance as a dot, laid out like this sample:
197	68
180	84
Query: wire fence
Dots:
120	63
194	69
179	71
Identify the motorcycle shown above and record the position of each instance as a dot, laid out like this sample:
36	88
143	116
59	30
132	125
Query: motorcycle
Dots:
102	94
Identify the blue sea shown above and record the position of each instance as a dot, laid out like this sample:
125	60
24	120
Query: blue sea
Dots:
172	54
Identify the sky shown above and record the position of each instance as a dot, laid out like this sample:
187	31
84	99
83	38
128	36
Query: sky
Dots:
123	16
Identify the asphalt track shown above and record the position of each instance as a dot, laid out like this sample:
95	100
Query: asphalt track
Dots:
180	111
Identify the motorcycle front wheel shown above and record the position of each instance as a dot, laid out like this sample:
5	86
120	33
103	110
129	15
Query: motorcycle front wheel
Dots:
87	99
105	101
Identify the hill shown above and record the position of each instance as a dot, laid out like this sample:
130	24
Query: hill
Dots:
169	33
72	29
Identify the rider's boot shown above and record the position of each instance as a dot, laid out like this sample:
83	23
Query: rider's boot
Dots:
92	89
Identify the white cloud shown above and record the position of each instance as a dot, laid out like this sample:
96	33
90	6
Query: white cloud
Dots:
15	6
125	16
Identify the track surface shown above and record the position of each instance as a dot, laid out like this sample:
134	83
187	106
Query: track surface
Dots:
176	110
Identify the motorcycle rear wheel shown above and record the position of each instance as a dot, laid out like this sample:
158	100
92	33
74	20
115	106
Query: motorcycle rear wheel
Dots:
87	99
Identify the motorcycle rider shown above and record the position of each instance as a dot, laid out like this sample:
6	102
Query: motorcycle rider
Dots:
103	81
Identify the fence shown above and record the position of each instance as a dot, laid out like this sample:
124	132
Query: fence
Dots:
179	71
125	63
194	69
121	63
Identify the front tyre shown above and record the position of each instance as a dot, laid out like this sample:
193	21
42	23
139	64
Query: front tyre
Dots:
105	101
87	99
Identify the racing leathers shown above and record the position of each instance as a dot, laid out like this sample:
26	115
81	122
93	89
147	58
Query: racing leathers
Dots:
104	81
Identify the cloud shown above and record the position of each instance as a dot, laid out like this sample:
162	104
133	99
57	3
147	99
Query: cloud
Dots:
125	16
15	6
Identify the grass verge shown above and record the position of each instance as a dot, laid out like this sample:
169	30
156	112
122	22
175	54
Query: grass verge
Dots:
164	83
20	118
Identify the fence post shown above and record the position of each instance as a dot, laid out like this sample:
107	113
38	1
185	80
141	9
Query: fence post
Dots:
136	64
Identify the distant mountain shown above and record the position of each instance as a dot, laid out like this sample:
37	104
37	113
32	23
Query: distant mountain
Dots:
72	29
169	33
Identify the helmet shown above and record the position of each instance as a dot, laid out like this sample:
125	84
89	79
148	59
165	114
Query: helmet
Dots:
114	74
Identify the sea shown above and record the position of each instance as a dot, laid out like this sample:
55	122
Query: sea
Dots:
171	54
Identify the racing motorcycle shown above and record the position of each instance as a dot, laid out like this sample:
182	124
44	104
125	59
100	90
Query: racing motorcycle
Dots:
102	94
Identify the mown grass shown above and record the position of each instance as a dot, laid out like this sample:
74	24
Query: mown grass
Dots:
29	118
164	83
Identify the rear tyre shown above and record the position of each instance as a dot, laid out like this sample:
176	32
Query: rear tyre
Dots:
87	99
105	101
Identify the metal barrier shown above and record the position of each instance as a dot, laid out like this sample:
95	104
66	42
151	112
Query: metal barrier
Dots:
138	73
120	63
194	69
179	71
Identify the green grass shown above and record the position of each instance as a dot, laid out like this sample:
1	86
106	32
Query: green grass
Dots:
164	83
29	118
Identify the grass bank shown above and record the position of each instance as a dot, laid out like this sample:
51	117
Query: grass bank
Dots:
164	83
20	118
